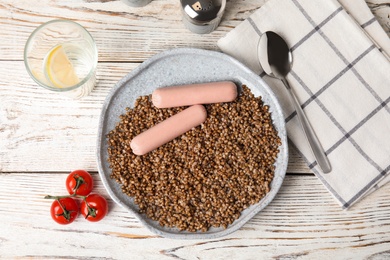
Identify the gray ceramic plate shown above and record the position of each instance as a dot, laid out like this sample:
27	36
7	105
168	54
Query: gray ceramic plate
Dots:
175	67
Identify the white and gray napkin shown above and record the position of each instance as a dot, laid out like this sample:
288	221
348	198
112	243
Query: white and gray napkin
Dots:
341	76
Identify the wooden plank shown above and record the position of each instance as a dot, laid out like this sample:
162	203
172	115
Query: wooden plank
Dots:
123	33
44	131
302	222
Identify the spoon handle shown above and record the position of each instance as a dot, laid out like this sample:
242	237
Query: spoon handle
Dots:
315	144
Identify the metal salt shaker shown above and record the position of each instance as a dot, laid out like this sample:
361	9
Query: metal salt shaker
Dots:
202	16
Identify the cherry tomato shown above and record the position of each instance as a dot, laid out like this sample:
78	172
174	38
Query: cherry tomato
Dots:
94	207
79	182
64	211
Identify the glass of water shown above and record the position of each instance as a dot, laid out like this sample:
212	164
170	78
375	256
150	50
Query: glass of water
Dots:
62	56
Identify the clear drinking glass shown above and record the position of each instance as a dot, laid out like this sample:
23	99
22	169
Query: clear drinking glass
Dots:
62	56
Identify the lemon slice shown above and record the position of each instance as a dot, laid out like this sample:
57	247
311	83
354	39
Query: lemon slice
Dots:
59	69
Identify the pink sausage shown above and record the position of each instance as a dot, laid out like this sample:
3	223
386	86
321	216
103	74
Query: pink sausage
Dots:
168	129
186	95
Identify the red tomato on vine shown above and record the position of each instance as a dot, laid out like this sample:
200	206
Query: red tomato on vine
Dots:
64	211
94	207
79	182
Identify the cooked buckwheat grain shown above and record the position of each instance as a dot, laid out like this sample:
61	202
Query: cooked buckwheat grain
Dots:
205	177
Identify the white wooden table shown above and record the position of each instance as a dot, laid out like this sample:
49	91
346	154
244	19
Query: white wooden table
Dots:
44	136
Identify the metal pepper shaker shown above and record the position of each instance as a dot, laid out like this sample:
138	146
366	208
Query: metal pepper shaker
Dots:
202	16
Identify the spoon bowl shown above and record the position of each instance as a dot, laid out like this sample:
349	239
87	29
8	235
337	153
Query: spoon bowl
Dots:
274	55
275	58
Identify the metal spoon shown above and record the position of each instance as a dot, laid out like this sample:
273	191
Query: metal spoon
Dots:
276	59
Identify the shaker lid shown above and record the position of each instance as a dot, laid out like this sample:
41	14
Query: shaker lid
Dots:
201	10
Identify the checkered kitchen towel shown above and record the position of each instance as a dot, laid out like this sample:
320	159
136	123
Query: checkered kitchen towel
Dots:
340	77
